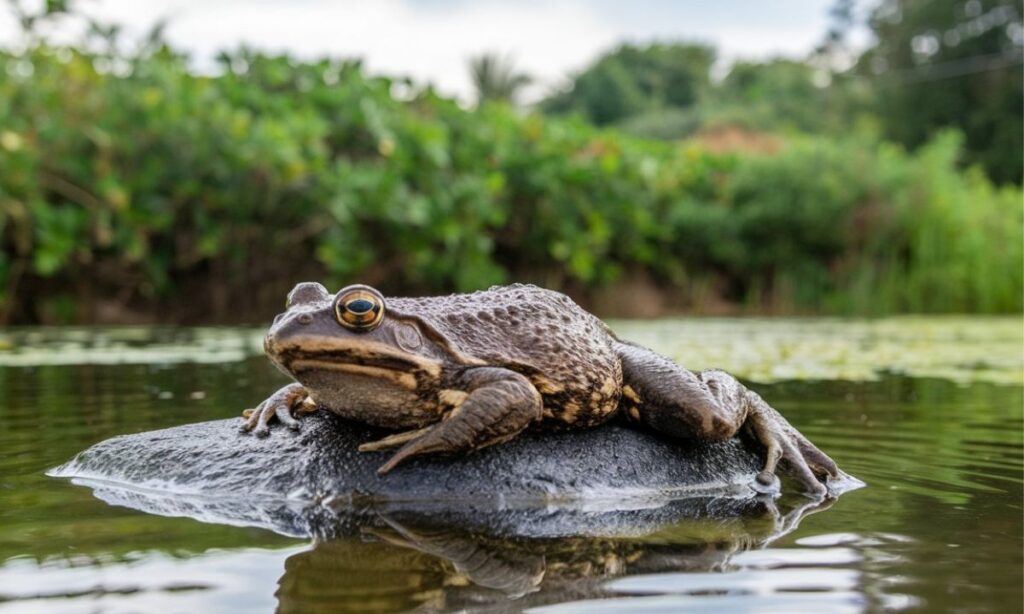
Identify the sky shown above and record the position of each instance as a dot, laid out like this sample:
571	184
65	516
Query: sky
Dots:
431	40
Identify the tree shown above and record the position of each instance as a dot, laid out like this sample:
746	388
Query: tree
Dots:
632	80
496	78
775	94
940	64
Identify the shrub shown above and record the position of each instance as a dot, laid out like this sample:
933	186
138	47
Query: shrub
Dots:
136	183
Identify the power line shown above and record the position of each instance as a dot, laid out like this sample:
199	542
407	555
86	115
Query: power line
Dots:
952	68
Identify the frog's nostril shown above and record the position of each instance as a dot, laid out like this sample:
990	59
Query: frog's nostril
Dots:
304	318
278	317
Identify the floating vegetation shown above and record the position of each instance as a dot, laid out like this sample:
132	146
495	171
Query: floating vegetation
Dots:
962	349
29	347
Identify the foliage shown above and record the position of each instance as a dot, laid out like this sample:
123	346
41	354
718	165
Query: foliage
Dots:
631	80
776	96
664	91
951	64
130	181
496	78
930	66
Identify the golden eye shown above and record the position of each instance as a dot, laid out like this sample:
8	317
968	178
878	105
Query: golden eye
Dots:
360	308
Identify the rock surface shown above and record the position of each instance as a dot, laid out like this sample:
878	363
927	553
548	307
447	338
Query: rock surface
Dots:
311	481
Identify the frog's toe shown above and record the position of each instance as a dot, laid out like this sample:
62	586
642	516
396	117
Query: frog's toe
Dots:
800	469
820	464
766	483
263	420
424	444
251	417
284	414
257	421
268	412
393	441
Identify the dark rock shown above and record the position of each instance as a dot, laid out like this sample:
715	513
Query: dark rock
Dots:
314	481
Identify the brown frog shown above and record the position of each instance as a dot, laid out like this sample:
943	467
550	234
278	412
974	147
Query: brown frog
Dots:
454	374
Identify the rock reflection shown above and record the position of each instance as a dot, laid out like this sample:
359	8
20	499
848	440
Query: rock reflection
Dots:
399	560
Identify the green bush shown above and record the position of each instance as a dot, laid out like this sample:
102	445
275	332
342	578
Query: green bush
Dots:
138	183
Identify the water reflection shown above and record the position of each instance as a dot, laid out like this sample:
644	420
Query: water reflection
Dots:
938	528
395	556
406	560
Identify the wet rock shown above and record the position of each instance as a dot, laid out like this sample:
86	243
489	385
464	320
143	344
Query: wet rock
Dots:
314	480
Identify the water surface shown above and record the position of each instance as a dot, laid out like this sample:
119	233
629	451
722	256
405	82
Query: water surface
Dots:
927	411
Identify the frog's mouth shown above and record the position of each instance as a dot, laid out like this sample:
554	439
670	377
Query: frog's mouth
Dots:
304	355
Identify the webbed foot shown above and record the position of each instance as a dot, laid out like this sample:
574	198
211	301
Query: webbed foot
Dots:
284	405
784	444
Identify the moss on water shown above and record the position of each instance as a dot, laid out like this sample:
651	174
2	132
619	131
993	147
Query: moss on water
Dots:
961	349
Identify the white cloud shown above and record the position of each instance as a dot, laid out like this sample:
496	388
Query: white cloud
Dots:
432	41
397	37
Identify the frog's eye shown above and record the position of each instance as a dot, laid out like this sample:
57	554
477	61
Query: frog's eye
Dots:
359	308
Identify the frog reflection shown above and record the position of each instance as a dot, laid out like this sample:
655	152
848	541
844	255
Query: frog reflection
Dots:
514	573
404	560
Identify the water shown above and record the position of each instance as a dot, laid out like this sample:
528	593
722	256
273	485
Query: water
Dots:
938	527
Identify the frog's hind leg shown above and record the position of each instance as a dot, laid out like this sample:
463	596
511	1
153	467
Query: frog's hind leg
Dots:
498	405
713	406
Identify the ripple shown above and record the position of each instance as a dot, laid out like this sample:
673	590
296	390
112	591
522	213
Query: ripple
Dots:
774	558
750	581
153	582
839	602
829	540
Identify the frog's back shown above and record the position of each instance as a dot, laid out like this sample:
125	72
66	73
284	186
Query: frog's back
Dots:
565	351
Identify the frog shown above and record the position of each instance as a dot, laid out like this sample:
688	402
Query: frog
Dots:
453	374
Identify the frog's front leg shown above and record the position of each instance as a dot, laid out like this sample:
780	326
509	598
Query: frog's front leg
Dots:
499	404
293	398
713	406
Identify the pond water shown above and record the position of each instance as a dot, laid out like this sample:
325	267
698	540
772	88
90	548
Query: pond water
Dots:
928	412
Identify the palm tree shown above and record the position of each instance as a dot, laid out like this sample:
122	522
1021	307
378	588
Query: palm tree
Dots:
496	78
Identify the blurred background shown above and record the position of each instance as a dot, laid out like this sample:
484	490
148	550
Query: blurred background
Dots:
188	162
